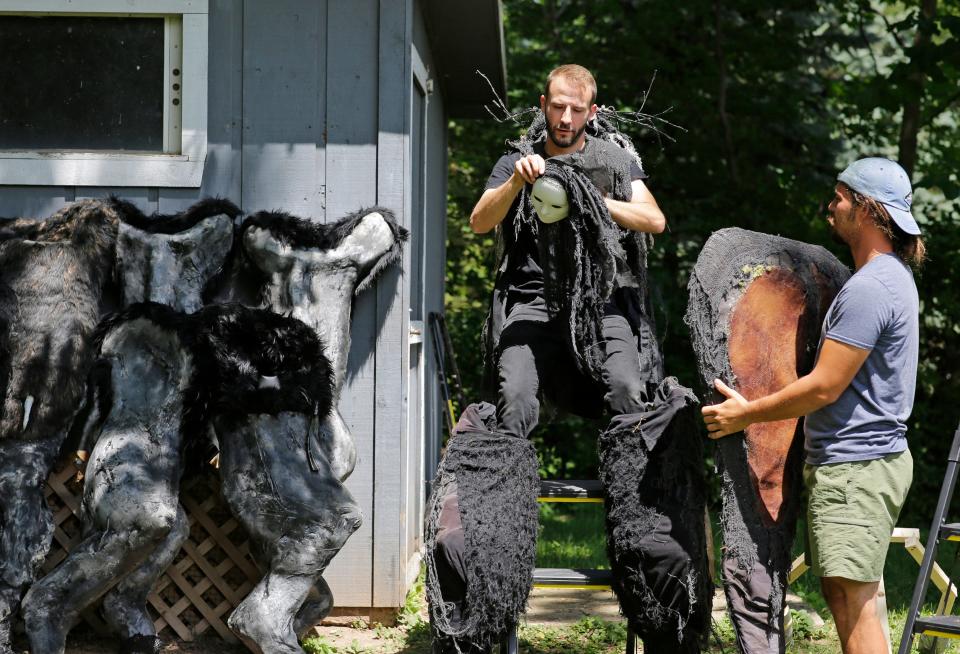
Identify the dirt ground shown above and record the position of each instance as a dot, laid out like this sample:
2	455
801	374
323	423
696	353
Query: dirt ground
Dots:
548	607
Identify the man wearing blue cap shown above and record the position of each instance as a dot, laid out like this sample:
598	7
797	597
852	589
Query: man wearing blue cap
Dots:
856	400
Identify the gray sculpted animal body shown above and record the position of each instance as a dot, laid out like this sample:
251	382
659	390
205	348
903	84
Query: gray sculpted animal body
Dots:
259	377
312	272
131	508
130	495
271	479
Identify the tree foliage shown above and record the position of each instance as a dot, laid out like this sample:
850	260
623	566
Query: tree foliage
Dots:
774	99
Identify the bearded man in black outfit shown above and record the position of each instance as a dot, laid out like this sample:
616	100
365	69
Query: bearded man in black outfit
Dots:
570	319
532	352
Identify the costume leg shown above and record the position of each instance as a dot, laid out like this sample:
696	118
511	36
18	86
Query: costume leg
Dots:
54	603
317	606
756	307
27	526
125	606
651	469
298	518
480	535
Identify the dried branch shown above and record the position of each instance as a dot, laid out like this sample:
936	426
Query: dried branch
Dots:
656	123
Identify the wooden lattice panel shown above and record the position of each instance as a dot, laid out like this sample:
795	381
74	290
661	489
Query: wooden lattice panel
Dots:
212	573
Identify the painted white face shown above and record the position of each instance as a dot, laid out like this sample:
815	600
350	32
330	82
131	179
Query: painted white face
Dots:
549	199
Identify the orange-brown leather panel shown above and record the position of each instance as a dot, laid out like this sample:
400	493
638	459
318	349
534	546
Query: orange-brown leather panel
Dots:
766	338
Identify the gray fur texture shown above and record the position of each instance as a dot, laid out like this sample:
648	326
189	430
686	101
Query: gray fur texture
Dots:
55	282
312	272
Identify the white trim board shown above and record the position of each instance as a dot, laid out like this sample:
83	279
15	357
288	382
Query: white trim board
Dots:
119	168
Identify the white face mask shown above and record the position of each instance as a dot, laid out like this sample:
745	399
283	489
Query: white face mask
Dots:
549	199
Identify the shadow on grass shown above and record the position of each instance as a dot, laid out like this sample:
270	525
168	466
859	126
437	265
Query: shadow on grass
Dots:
417	640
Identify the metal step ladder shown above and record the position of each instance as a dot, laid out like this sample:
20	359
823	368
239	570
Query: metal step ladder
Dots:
941	626
564	491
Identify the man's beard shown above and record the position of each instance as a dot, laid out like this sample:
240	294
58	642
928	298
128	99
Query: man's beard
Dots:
551	132
835	233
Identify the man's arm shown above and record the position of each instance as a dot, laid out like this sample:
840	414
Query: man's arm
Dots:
835	369
641	213
493	205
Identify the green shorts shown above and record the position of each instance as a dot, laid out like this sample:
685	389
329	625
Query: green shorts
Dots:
851	511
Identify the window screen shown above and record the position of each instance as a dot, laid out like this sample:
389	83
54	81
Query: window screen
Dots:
81	83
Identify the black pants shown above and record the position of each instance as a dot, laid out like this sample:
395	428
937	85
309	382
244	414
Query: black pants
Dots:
535	358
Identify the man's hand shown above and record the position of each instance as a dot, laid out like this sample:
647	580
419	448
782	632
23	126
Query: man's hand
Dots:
726	418
836	366
530	167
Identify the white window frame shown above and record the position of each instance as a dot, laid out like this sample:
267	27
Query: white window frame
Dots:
185	124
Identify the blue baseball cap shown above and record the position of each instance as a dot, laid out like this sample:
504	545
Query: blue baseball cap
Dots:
887	183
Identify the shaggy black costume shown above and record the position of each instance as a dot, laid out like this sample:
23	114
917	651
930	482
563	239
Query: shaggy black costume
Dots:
161	375
761	484
651	466
493	478
580	257
310	271
55	281
174	259
594	291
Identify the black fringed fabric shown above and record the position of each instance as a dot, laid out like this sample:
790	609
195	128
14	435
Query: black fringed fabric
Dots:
580	257
497	484
757	553
651	467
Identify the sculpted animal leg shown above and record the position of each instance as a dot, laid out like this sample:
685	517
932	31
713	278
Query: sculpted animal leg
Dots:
54	603
26	526
317	606
274	613
131	486
124	607
298	518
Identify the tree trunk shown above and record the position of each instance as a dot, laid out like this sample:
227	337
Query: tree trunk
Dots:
910	125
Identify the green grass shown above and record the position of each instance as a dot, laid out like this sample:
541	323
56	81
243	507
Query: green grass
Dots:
572	535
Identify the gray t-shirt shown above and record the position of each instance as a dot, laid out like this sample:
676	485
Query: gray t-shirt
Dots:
877	310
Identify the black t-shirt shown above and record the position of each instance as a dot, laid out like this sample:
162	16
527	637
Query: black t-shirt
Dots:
524	275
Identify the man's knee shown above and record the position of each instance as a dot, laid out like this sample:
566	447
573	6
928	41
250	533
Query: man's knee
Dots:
518	407
626	394
838	590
